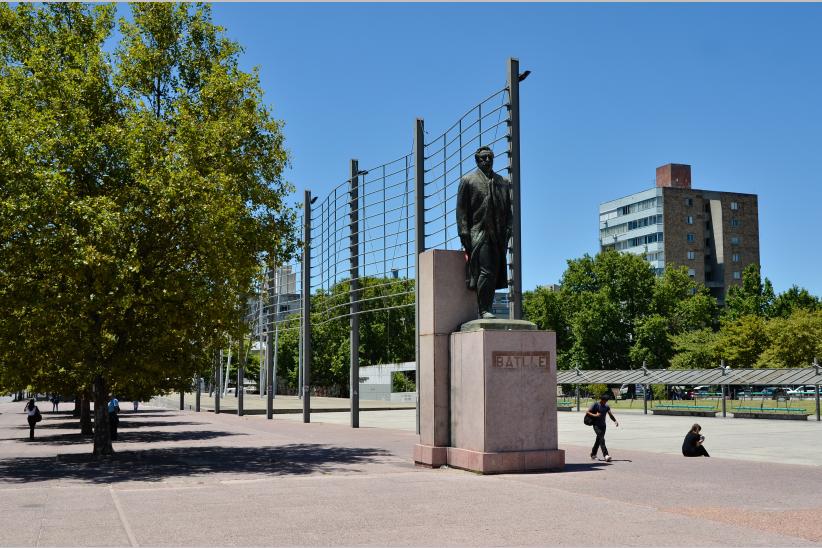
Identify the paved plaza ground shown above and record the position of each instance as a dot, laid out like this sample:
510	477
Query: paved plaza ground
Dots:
200	479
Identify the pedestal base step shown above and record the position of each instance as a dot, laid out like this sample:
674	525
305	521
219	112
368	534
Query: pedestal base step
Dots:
506	462
430	455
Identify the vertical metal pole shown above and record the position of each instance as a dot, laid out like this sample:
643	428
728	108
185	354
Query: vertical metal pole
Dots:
354	294
263	382
276	350
419	237
240	391
816	366
300	349
645	399
515	285
724	391
306	315
577	397
269	349
218	381
197	392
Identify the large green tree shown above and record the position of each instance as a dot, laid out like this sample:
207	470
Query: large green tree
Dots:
141	191
605	297
545	306
754	297
793	341
795	298
741	342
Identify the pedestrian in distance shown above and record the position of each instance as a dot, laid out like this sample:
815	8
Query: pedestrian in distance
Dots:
55	403
113	419
33	416
692	446
136	404
598	412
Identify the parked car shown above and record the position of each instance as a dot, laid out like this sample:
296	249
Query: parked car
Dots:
803	391
774	392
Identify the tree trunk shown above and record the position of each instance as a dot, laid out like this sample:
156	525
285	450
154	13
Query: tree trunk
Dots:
102	435
85	415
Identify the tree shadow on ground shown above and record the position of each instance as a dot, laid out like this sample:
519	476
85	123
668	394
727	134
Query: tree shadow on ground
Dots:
146	436
159	464
75	424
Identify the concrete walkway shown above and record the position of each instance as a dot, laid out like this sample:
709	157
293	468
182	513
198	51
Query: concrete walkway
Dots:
200	479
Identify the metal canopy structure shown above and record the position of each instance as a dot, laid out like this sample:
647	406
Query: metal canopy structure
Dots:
717	376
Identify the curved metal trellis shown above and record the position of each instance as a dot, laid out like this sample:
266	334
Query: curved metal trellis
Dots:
365	235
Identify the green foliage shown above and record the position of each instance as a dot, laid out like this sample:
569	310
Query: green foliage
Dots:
694	349
546	308
597	390
741	342
386	334
401	383
141	191
659	391
795	298
612	312
653	347
753	298
686	304
793	341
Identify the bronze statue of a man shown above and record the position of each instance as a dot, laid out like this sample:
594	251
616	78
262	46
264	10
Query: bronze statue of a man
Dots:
484	223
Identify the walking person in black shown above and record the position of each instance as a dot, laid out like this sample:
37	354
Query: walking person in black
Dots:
692	446
598	411
33	416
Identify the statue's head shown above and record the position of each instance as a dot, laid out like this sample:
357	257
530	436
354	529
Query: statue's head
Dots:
484	157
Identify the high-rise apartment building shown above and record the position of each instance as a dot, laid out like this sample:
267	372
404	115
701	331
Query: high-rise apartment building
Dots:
714	234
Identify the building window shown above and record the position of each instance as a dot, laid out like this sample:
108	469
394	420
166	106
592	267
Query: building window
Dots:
737	275
735	257
689	202
689	220
692	273
691	255
734	240
734	206
690	237
735	223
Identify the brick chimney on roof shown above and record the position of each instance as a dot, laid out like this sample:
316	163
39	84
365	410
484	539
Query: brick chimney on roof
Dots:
673	176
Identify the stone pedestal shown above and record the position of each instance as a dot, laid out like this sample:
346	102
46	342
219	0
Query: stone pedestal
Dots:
487	394
503	401
445	304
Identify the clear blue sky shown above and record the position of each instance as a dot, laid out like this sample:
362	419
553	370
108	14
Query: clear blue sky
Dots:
733	90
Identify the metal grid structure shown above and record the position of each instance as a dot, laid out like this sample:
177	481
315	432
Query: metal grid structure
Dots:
375	208
451	155
360	242
721	376
676	377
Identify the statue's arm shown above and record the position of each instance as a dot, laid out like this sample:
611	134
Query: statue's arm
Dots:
463	219
510	224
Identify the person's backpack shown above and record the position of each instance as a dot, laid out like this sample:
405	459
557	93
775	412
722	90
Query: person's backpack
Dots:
588	419
37	416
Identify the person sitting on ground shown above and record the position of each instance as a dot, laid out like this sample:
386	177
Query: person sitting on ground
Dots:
692	446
